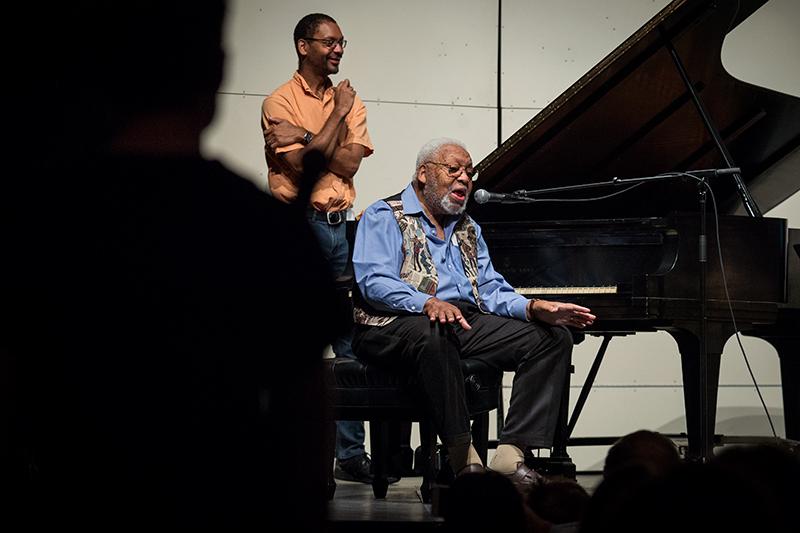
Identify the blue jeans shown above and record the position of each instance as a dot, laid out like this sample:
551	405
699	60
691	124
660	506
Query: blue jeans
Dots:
333	242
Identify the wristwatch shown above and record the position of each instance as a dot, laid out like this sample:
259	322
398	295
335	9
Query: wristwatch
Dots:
307	137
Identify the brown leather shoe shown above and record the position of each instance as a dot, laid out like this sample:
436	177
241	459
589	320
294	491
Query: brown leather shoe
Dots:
524	478
472	468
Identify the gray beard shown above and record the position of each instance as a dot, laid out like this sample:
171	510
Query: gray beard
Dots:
452	208
443	205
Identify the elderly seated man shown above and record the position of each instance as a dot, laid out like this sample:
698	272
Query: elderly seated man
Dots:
429	297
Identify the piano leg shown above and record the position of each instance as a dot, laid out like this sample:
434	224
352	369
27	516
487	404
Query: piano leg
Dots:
784	337
790	383
789	353
700	384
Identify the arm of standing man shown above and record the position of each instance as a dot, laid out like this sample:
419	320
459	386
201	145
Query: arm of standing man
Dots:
324	141
280	132
345	160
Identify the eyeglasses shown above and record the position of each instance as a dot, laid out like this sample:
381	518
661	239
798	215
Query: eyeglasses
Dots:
328	43
455	171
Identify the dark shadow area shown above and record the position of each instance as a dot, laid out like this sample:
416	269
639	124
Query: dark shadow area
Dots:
150	295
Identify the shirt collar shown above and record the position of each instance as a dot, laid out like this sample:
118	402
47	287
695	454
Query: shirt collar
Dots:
299	79
412	206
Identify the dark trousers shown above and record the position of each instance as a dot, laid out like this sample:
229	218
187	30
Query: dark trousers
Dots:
333	243
538	354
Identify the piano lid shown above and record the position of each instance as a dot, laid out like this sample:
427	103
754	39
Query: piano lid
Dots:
632	115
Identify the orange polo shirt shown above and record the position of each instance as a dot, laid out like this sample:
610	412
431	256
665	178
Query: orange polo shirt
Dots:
297	103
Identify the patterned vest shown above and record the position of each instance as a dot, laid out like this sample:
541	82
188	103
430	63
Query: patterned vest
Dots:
418	269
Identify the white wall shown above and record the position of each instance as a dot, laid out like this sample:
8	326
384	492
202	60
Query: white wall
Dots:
427	69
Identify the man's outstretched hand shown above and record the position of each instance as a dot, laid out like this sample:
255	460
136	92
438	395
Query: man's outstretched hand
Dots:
560	313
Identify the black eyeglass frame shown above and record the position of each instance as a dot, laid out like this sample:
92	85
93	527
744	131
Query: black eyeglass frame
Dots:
471	173
333	42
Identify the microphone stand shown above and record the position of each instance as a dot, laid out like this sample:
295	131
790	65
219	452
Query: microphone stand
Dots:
705	444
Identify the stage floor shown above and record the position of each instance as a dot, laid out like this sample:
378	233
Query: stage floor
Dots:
355	509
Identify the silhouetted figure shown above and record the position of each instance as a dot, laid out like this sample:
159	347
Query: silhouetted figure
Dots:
632	464
558	502
702	497
612	498
747	489
152	295
774	472
644	448
486	501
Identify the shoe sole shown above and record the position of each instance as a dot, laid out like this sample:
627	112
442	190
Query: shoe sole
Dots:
344	476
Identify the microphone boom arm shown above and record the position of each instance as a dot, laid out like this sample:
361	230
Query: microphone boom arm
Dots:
616	182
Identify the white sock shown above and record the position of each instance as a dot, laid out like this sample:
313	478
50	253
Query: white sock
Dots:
506	459
461	456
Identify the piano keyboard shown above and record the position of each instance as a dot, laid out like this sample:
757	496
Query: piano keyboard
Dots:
536	291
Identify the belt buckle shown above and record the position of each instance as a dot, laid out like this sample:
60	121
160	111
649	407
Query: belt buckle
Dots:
334	218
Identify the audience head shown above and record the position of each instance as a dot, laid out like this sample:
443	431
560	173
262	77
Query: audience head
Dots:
612	498
706	496
632	465
101	64
647	449
558	502
443	176
484	502
774	472
742	489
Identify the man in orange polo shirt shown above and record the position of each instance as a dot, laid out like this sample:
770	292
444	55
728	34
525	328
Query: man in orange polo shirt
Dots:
309	113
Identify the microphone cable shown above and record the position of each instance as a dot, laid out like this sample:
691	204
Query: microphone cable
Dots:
705	184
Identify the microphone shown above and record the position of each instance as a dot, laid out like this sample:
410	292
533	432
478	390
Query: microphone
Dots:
483	196
715	171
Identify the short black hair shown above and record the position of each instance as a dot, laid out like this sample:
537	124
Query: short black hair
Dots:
308	25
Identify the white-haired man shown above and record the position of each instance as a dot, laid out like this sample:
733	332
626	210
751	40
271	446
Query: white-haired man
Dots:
430	297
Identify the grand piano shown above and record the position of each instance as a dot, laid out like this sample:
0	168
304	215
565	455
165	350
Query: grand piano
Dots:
646	259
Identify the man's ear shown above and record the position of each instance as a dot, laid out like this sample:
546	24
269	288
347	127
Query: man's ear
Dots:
422	177
302	48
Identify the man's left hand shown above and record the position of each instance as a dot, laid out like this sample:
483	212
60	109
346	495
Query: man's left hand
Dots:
281	132
560	314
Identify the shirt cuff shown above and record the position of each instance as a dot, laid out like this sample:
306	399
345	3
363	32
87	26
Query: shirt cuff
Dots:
417	302
518	309
368	148
288	148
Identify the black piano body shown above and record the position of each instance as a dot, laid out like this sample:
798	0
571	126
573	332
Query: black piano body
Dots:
645	269
784	335
634	257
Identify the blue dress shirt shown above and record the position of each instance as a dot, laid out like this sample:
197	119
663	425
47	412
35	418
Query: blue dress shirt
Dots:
378	256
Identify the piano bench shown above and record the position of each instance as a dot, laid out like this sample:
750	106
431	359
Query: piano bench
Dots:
362	391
